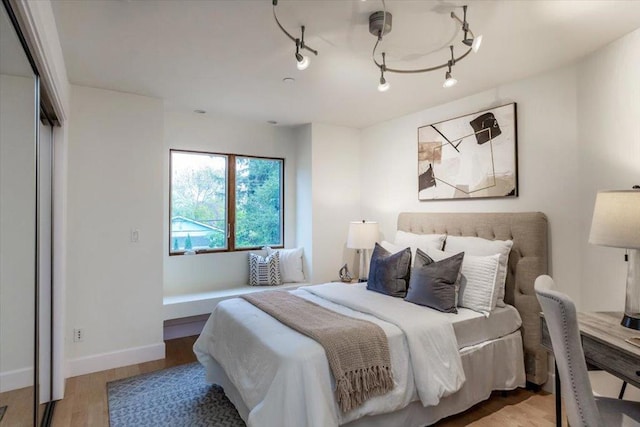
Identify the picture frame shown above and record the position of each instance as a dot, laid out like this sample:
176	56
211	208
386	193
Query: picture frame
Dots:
469	157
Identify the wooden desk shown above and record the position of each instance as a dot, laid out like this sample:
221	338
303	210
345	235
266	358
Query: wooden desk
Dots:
604	346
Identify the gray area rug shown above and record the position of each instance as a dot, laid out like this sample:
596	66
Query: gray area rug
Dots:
177	396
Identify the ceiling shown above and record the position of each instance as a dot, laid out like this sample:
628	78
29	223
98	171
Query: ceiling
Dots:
229	57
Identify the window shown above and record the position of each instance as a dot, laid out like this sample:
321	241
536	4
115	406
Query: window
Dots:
225	202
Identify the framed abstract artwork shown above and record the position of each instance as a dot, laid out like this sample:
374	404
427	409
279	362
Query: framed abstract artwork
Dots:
469	157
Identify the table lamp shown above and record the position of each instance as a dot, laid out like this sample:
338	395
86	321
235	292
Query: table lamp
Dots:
616	223
363	235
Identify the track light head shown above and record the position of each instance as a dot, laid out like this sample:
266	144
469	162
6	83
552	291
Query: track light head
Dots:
384	84
473	43
449	80
302	62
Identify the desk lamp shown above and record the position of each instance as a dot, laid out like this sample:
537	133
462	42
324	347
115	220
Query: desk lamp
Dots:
362	235
616	223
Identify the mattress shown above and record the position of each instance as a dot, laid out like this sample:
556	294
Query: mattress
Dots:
472	327
261	355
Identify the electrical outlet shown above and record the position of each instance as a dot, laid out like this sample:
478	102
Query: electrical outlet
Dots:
78	335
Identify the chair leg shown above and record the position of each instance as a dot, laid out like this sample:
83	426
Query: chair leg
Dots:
622	390
558	398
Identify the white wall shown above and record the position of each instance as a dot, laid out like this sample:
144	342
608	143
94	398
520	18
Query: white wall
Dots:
115	184
191	131
304	196
17	230
328	196
547	166
335	183
609	154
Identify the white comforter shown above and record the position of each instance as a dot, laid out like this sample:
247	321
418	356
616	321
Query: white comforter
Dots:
284	377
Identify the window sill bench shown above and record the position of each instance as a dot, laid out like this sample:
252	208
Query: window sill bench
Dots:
185	315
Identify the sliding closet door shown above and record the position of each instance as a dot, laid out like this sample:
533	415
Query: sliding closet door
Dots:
45	162
18	133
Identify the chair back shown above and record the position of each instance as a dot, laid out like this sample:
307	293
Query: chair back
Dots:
562	322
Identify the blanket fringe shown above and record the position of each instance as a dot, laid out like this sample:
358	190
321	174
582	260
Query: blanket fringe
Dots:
356	386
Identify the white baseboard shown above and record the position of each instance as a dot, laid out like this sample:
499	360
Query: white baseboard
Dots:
18	378
115	359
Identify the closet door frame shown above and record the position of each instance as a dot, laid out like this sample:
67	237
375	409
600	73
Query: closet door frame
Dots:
38	417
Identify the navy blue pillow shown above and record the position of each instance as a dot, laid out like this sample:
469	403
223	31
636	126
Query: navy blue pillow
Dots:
434	284
389	273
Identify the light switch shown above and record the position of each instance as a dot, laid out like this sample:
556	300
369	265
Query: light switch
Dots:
135	235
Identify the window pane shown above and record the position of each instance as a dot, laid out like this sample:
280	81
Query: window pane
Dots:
198	201
258	202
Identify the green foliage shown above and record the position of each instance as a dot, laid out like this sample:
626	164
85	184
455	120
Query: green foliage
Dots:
187	243
216	240
258	202
175	244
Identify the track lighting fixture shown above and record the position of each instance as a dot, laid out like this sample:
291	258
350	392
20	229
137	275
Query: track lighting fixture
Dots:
448	79
384	85
302	61
380	24
473	42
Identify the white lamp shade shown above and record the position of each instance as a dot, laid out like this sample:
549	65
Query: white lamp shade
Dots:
362	234
616	219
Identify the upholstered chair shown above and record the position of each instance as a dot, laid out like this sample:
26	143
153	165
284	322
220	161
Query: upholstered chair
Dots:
583	409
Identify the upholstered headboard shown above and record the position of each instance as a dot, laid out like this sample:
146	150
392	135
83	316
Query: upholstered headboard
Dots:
527	261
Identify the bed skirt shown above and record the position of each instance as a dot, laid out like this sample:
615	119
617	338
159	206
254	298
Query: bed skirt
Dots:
489	366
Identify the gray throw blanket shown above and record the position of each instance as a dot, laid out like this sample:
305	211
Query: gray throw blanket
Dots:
357	350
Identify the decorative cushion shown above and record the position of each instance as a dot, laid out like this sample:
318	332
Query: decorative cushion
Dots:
432	283
478	246
389	273
477	281
264	270
290	264
426	242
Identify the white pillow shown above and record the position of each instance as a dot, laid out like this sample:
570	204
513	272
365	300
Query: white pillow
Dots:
290	264
426	242
391	247
478	277
478	246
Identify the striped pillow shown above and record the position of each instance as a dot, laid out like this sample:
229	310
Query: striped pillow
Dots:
264	270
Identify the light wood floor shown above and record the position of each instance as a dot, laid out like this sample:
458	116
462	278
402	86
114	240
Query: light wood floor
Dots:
85	402
19	405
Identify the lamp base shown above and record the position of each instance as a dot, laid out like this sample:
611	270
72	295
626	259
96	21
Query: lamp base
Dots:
631	317
630	322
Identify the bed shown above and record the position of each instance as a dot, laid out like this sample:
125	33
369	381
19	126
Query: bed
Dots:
275	376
